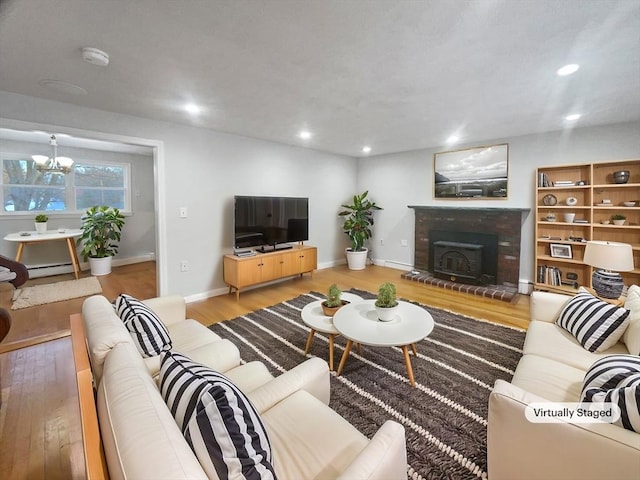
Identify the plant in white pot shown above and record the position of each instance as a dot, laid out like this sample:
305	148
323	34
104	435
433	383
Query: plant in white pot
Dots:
101	229
41	223
357	226
386	304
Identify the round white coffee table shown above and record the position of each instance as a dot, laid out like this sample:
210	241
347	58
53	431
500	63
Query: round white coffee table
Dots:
313	317
359	323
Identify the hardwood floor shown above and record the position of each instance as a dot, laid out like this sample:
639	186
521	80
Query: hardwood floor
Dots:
39	418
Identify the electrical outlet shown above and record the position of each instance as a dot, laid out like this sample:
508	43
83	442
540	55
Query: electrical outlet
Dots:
184	266
381	241
183	212
404	243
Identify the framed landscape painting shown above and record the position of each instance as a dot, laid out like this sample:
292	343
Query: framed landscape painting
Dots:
472	173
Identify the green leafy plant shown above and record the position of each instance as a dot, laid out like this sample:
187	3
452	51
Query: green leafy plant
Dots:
42	218
386	296
618	216
333	297
359	220
101	229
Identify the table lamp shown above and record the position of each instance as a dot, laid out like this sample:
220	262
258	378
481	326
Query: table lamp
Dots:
610	257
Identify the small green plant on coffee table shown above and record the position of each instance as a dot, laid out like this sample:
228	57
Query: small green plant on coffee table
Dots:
386	296
333	296
42	218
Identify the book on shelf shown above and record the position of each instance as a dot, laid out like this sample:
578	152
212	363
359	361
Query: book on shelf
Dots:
563	183
549	275
543	180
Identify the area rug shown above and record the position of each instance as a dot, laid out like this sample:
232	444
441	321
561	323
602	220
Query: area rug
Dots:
55	292
445	415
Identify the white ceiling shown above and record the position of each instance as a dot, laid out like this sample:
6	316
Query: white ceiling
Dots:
393	74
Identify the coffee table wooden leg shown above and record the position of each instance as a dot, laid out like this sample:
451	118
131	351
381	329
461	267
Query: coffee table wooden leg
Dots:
19	252
331	337
309	340
415	350
407	361
74	257
345	354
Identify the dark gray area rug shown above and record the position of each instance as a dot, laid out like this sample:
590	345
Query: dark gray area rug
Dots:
445	415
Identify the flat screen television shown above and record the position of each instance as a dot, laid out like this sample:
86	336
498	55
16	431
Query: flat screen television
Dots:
269	222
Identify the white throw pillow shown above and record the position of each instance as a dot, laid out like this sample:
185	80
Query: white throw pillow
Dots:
597	325
631	337
616	379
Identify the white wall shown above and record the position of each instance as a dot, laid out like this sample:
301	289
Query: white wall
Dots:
397	180
202	170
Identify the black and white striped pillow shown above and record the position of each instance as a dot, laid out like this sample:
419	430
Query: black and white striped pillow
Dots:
147	330
616	379
219	422
597	325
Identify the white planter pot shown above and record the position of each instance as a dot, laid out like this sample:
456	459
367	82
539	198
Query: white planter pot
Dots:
357	260
41	227
100	266
387	314
618	222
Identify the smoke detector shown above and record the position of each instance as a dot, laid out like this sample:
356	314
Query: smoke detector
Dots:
95	56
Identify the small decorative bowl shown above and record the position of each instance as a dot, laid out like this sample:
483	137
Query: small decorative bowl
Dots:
621	176
605	222
629	204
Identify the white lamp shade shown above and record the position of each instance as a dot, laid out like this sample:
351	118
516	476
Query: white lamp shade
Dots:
40	159
64	162
613	256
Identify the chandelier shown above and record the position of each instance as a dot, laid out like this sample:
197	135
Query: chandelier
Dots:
53	164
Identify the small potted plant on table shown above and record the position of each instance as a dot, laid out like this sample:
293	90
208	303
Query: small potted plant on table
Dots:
333	303
41	223
386	304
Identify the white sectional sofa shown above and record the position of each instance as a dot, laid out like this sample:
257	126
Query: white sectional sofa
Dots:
552	369
142	440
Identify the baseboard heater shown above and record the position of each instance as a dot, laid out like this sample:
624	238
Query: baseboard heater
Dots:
47	270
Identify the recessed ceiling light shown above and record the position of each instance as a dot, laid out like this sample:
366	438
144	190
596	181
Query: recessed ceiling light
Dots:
62	87
568	69
453	139
572	117
192	108
305	135
366	149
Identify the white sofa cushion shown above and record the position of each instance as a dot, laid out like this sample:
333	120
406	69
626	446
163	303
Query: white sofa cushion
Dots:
148	332
549	340
631	335
597	325
549	379
616	379
218	421
309	440
140	437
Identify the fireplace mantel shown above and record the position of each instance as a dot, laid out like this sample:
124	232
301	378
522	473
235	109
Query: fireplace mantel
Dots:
477	209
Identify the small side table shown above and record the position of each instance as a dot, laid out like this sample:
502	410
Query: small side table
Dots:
26	238
313	317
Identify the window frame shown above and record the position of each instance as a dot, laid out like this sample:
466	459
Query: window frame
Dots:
69	188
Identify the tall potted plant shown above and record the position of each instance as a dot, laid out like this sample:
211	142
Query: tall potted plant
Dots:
101	229
357	225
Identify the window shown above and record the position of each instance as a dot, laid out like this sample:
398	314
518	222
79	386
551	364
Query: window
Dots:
25	189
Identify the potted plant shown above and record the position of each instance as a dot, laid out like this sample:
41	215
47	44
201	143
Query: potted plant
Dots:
333	303
41	223
386	303
357	226
618	219
101	228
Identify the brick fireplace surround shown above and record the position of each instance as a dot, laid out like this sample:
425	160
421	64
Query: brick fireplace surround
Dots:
505	223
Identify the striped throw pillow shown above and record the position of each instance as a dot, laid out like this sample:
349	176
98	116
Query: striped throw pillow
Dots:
147	330
221	425
597	325
616	379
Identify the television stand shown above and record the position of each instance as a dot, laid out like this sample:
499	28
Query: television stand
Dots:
274	248
243	272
